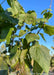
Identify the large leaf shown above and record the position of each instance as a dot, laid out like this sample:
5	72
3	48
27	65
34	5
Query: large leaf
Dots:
37	68
31	18
22	32
41	55
49	29
31	37
3	64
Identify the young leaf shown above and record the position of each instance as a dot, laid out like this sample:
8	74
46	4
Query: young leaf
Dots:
47	15
21	33
31	37
41	55
42	36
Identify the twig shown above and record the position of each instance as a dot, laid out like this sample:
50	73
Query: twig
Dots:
50	4
47	17
2	2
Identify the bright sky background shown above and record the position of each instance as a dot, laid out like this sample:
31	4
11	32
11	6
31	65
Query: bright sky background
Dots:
38	6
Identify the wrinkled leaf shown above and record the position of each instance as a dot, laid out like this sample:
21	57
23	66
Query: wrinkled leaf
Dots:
31	37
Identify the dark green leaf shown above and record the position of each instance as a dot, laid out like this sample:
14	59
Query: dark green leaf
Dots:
37	68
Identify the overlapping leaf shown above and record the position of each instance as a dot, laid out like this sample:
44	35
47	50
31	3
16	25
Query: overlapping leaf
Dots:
3	64
22	32
49	29
41	55
31	37
42	36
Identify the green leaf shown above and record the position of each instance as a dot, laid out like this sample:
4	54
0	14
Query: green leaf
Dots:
44	11
49	29
16	8
38	20
3	64
37	68
41	55
48	15
21	19
31	18
24	42
22	32
8	36
23	55
42	35
31	37
1	9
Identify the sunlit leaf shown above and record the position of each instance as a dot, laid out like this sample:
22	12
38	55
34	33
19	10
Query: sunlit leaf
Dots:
22	32
41	55
31	37
49	29
42	36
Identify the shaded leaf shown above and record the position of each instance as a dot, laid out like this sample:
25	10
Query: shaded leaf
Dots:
37	68
48	15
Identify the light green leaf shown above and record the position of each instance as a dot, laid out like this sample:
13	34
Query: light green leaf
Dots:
21	33
41	55
42	35
16	8
31	37
3	64
38	20
31	18
49	29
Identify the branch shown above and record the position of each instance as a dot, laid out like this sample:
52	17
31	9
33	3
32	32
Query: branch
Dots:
50	4
2	2
47	18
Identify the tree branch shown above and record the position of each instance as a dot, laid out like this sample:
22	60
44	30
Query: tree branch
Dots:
50	8
50	4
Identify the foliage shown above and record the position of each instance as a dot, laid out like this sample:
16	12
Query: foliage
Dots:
27	47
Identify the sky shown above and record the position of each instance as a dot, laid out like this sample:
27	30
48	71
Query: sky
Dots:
38	6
